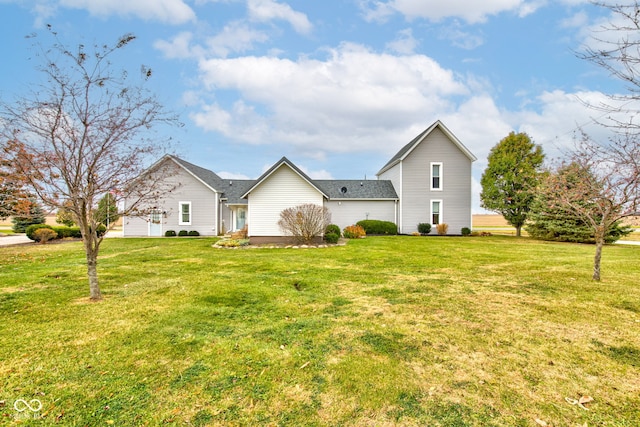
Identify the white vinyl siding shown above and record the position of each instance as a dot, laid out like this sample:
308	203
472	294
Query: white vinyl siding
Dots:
395	176
184	212
283	189
204	208
436	176
348	212
416	184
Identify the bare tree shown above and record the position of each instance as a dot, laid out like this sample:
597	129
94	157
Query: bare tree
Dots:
600	184
304	222
615	47
83	133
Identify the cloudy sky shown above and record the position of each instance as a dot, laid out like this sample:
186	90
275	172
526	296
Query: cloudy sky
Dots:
337	86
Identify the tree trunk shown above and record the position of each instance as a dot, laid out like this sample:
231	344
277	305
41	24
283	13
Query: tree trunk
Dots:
598	256
91	247
518	230
92	273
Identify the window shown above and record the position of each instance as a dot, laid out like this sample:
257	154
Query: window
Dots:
436	176
436	212
185	213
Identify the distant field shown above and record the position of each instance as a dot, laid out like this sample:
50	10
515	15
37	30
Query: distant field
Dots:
489	220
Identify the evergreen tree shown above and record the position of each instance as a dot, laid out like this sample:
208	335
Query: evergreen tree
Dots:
546	222
33	215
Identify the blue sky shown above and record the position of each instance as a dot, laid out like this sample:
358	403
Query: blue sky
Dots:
336	86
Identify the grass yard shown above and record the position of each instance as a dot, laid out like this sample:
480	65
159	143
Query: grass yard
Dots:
385	331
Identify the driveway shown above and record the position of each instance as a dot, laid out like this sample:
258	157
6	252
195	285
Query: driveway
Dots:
20	239
15	239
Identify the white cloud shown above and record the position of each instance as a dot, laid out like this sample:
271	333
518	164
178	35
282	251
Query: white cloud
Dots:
312	103
268	10
169	11
405	43
460	38
436	10
235	37
179	47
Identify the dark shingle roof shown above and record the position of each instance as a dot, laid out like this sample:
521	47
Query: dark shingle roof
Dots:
205	175
233	190
357	189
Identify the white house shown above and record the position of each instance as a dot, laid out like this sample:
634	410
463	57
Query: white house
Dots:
428	180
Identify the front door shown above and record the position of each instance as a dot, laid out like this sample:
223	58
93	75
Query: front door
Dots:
241	218
155	224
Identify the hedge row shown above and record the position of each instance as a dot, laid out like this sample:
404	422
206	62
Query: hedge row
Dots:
377	227
61	231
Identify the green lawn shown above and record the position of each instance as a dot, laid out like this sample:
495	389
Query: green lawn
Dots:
385	331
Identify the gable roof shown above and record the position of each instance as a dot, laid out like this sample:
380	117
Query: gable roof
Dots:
358	189
208	178
283	162
407	149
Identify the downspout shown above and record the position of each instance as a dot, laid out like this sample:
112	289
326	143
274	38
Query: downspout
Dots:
395	215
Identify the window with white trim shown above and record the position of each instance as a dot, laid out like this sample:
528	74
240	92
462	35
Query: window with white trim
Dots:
184	213
436	212
436	176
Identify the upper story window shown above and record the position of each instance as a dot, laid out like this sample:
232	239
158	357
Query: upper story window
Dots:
185	213
436	176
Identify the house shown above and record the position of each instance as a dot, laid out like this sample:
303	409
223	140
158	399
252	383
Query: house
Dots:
428	180
432	176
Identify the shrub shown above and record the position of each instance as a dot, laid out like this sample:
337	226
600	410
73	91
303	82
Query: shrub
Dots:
183	233
375	226
75	232
31	229
304	222
332	228
193	233
44	234
353	232
442	228
466	231
63	232
331	237
170	233
231	243
424	228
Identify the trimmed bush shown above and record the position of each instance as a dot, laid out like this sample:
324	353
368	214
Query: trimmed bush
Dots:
170	233
331	238
65	232
353	232
442	228
375	226
31	229
44	234
332	228
193	233
183	233
424	228
466	231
